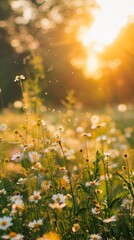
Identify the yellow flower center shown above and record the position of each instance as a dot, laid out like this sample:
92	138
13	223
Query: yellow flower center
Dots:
12	234
76	226
36	225
4	223
94	238
36	197
92	183
17	207
57	199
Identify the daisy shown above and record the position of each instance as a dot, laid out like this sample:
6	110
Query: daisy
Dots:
18	205
86	134
96	210
98	191
111	219
5	222
13	236
75	227
46	184
63	169
18	237
95	237
35	223
22	181
35	197
92	183
15	198
16	156
57	205
59	198
68	196
19	78
3	192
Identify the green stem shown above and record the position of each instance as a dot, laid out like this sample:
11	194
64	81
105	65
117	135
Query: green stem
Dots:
69	176
86	147
21	86
1	99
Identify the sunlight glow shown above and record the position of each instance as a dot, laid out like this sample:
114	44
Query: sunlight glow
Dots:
109	19
93	64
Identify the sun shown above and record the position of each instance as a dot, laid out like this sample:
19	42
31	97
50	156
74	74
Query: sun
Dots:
110	17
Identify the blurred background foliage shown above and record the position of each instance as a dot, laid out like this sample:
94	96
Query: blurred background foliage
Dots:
48	29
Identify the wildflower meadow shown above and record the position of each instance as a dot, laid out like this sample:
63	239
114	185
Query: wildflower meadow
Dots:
66	120
65	173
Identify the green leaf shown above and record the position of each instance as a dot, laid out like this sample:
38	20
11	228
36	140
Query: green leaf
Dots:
96	164
116	201
85	189
81	211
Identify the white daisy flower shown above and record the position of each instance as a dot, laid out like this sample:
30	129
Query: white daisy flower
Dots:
46	184
57	205
3	192
35	223
59	198
18	237
5	222
92	183
18	205
19	78
22	181
16	156
86	134
96	210
75	227
95	237
111	219
13	236
98	191
35	197
15	198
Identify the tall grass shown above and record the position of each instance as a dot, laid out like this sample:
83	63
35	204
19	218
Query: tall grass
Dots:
64	175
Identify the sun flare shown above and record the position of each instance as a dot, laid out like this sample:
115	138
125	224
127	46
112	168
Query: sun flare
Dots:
109	19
